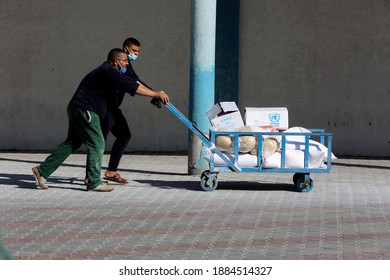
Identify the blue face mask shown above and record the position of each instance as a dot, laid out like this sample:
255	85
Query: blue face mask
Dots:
122	69
132	56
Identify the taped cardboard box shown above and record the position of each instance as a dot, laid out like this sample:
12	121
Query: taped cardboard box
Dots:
225	114
276	116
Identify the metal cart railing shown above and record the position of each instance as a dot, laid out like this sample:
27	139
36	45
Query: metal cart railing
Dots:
301	178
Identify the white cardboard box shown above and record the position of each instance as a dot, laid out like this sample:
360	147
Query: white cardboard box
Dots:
225	114
276	116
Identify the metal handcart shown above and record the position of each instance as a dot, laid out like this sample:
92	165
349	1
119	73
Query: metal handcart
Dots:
301	177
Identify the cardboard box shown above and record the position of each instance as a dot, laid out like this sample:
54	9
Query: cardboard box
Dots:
225	114
277	117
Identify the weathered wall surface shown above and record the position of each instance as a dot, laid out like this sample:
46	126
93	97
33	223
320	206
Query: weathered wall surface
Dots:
328	62
47	47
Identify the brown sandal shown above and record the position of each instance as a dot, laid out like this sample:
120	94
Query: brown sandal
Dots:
116	178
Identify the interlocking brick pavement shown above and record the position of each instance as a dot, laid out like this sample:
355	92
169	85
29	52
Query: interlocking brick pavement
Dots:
163	213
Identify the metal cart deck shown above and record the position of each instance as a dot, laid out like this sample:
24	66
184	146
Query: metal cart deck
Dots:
301	177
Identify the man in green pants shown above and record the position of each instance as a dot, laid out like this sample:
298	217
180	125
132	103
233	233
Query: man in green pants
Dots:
85	111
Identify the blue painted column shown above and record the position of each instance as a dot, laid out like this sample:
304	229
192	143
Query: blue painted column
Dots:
202	76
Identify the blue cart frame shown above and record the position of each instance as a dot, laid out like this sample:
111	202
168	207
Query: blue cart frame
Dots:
301	178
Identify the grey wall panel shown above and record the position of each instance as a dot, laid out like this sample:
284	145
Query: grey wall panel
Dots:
328	62
48	46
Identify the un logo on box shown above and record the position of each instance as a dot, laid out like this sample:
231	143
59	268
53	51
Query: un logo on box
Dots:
274	118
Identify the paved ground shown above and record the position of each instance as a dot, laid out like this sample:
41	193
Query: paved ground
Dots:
163	214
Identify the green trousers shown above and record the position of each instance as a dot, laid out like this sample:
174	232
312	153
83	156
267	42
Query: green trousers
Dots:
84	128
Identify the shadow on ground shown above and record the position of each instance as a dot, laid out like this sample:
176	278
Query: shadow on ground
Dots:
28	182
241	185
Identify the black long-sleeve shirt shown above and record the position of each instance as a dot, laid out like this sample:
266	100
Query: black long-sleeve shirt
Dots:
99	87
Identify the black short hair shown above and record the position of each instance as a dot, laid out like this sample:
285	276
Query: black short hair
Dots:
131	41
114	54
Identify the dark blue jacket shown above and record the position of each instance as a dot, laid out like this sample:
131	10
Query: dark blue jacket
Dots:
97	90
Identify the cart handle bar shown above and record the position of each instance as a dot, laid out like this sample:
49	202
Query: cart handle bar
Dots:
191	126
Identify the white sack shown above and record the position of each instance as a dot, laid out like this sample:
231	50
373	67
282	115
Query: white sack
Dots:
298	143
244	160
295	159
313	146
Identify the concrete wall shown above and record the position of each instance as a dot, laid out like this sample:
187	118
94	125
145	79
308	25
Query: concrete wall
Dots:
328	62
47	47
